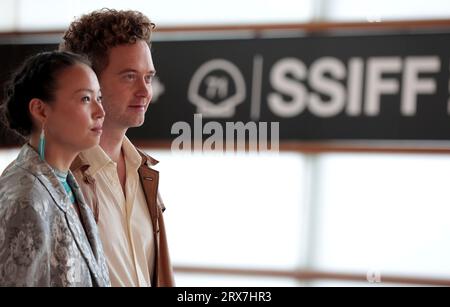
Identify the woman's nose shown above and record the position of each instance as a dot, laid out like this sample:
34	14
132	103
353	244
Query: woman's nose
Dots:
99	112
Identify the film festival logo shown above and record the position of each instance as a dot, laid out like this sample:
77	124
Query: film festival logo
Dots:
216	90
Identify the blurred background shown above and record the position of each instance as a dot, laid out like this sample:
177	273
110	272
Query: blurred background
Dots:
355	196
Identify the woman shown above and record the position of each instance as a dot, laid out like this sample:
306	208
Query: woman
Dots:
48	236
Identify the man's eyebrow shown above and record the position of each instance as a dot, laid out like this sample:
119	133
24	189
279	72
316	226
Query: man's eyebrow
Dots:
128	70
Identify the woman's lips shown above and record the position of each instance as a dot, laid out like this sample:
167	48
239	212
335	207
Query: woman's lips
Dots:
97	129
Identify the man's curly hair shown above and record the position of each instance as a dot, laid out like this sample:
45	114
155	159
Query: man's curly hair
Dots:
94	34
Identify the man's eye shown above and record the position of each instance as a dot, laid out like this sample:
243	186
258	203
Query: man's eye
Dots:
130	77
149	79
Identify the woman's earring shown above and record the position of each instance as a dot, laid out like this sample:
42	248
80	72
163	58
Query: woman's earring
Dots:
41	148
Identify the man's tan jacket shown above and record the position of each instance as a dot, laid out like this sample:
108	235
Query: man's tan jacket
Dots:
163	273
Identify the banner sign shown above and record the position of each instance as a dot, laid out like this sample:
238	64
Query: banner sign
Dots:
374	87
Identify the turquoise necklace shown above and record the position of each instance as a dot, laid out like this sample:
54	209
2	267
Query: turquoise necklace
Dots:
62	177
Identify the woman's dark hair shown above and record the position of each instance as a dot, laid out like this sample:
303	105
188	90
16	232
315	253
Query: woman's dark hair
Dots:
36	78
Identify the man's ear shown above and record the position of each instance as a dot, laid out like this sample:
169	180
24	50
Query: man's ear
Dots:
38	111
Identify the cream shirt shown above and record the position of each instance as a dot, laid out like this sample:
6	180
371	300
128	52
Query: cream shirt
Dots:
125	225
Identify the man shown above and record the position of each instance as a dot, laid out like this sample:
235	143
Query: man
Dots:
116	178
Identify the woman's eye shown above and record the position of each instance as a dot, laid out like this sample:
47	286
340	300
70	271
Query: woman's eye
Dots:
86	99
99	99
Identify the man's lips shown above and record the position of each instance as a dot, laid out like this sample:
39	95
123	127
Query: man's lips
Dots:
138	107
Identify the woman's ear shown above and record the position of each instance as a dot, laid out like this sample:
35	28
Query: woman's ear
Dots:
38	111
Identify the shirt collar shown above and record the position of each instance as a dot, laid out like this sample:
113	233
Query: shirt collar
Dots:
98	159
132	156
